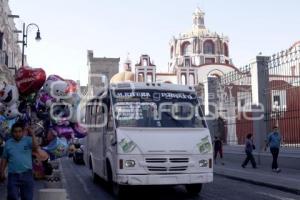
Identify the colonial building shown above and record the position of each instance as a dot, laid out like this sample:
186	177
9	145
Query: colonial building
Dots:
145	70
199	53
10	53
100	71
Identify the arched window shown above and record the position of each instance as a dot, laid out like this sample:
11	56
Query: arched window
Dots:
145	62
186	48
149	78
226	53
191	80
183	79
209	47
140	77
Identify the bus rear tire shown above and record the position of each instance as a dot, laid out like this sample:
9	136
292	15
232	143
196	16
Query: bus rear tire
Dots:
95	177
193	189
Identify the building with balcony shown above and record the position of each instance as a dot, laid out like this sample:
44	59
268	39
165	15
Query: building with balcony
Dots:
10	53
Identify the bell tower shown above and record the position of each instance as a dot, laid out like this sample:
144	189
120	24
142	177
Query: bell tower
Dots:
198	19
127	64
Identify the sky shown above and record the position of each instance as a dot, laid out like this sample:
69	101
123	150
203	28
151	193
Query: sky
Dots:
114	28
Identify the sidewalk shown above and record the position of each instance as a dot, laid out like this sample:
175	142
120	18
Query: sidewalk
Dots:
288	180
37	186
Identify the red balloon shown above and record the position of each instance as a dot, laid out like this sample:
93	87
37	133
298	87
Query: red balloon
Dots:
72	86
30	80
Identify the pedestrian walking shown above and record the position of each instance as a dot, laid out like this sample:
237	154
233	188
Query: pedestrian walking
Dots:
17	154
218	149
273	141
249	147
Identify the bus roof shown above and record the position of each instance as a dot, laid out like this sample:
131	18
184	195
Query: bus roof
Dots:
152	86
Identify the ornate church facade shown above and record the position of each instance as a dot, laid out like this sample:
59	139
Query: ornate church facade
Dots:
196	57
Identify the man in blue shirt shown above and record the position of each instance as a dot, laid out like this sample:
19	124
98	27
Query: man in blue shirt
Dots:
17	155
274	141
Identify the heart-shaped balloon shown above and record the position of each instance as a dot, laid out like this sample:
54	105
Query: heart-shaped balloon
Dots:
29	79
72	86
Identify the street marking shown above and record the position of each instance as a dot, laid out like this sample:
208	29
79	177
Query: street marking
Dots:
85	188
275	196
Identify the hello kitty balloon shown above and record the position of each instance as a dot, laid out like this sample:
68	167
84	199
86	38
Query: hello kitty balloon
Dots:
50	80
12	112
74	102
9	94
59	89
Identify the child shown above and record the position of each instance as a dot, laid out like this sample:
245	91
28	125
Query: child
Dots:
249	146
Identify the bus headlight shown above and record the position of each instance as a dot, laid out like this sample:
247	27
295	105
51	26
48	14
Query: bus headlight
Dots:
129	163
203	163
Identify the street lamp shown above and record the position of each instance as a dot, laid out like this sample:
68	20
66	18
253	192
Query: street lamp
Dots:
276	113
24	40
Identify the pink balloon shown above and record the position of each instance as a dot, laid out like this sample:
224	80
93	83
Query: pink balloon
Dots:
45	99
80	131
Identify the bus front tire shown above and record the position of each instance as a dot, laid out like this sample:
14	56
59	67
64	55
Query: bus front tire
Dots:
193	189
117	189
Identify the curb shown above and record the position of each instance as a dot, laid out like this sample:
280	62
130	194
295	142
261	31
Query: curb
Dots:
261	183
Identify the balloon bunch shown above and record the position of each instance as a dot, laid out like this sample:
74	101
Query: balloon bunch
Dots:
50	105
58	104
9	107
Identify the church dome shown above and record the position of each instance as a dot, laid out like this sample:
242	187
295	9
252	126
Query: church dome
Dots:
125	76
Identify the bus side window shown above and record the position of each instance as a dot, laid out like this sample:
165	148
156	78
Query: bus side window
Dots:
89	115
110	121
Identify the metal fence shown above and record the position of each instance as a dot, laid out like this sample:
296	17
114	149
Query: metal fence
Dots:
272	82
283	95
235	104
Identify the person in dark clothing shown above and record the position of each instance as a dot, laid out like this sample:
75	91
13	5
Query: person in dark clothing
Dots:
218	149
274	141
249	147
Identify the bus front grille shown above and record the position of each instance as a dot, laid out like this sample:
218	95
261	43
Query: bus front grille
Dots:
157	169
178	169
164	160
179	160
156	160
165	169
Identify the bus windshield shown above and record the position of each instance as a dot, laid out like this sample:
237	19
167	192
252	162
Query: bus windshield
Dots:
156	108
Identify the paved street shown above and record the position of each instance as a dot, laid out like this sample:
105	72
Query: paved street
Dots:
80	186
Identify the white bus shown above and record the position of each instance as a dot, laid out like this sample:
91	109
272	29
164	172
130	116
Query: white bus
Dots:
148	134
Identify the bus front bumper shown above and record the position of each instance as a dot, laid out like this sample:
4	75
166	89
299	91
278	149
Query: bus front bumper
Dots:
164	179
